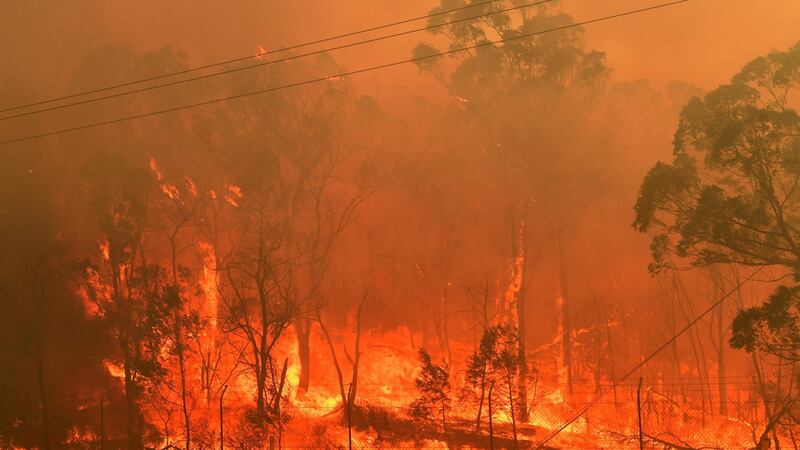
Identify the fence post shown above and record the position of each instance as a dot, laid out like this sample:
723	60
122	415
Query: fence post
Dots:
221	425
639	413
349	420
491	429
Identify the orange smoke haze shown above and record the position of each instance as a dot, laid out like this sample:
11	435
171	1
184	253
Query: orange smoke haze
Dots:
280	266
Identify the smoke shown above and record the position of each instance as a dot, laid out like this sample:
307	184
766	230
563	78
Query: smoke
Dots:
408	175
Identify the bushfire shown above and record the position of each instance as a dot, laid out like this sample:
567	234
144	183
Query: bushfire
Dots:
497	224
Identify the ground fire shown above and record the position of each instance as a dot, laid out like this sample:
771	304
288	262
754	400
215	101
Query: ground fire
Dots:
496	224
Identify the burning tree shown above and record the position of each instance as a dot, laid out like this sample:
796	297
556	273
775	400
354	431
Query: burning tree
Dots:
44	359
256	291
521	102
494	373
348	396
132	294
433	385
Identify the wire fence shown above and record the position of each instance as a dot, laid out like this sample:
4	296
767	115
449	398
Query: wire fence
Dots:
380	418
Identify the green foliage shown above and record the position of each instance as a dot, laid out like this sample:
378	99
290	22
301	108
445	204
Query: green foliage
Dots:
141	303
433	386
495	362
731	192
773	327
730	195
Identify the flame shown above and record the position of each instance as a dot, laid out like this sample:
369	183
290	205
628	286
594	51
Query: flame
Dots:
260	52
80	437
171	191
155	169
233	195
209	280
114	369
190	186
104	252
508	303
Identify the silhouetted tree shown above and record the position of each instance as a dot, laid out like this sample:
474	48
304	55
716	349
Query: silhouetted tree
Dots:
526	106
131	293
433	385
730	195
496	363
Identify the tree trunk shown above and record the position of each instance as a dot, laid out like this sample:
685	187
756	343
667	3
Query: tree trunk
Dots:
519	251
444	421
343	394
351	397
133	438
491	420
522	352
674	346
38	293
303	329
40	381
609	343
510	383
133	434
566	325
260	388
276	407
187	425
480	402
722	373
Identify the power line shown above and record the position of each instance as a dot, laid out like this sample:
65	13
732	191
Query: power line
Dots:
253	56
340	75
641	364
266	63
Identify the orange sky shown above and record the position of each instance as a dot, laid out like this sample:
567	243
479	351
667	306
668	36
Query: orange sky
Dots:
703	41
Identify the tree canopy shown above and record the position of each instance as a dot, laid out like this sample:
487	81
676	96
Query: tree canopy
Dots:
730	194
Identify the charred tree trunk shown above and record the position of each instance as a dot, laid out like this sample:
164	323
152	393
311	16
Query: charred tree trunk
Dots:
446	240
351	396
342	393
510	392
519	251
133	434
442	332
37	287
276	407
718	341
610	344
348	396
722	372
132	414
303	328
674	346
491	418
180	349
480	401
566	328
41	384
522	352
187	428
484	325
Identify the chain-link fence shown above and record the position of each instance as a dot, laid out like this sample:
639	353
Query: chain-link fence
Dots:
683	415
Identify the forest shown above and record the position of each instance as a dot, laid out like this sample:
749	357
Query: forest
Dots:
488	235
